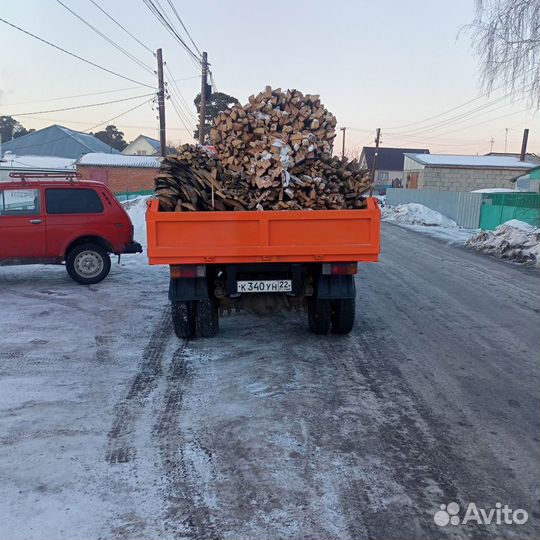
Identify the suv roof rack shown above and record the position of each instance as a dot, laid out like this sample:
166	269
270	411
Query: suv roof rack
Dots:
24	176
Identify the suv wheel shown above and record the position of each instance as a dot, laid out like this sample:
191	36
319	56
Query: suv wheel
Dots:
88	263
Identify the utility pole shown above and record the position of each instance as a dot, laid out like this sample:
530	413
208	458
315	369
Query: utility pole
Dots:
374	164
505	139
343	143
161	105
377	143
202	109
492	141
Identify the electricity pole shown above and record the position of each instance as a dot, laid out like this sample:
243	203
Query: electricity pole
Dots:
377	142
492	141
202	109
343	143
161	106
505	139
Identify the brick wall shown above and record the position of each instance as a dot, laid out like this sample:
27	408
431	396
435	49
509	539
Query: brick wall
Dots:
453	179
120	179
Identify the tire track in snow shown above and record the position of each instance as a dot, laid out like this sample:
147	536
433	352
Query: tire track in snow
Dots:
120	443
186	510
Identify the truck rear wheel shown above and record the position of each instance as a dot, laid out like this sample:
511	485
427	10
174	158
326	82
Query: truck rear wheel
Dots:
88	263
319	316
206	318
183	319
342	317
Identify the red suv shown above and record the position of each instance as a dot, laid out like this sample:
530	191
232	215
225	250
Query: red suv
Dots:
52	221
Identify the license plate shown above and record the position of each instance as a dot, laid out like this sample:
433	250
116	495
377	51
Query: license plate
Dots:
265	285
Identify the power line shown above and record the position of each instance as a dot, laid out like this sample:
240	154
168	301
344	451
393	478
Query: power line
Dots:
80	106
122	27
184	26
169	27
180	116
86	130
74	55
175	87
107	39
74	96
452	109
465	115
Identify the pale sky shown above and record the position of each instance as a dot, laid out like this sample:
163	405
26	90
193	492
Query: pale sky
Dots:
389	63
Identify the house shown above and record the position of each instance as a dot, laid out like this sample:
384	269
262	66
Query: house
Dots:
389	163
12	163
57	141
122	174
142	146
529	181
461	172
145	146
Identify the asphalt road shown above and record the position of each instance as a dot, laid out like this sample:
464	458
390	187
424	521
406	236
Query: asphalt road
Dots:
269	432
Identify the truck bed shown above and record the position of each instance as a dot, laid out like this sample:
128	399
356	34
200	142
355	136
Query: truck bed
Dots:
266	236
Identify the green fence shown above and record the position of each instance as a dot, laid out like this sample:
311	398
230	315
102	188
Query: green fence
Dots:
500	207
128	195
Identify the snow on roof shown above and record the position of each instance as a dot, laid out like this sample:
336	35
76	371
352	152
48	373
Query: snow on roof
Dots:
12	161
481	162
118	160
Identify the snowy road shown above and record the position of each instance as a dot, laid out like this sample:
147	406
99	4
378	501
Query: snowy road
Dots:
112	428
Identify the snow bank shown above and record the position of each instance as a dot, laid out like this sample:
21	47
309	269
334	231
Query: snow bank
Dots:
513	240
494	190
416	214
136	209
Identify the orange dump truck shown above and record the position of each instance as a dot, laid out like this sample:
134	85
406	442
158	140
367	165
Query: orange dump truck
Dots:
263	262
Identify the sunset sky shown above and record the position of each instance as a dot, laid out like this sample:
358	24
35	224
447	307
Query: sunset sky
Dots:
388	64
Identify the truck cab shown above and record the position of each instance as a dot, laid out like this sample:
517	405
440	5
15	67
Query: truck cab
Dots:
53	221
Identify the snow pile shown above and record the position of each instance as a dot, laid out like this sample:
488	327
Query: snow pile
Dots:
136	209
416	214
513	240
494	190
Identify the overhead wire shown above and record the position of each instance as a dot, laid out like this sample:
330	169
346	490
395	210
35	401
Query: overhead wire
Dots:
122	27
450	110
169	27
73	96
178	92
75	55
88	129
140	63
184	26
80	106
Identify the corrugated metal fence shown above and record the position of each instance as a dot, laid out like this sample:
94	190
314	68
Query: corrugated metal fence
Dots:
463	207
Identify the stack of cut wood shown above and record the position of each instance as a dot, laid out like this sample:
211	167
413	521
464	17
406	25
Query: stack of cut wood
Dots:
273	153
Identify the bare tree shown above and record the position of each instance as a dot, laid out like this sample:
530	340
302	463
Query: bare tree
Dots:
506	38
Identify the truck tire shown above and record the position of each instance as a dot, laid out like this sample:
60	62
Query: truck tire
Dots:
206	318
342	317
319	316
183	319
88	263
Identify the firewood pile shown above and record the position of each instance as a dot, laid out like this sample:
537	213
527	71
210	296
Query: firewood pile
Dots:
275	153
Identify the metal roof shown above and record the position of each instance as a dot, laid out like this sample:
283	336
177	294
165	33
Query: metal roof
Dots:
389	159
118	160
470	162
57	141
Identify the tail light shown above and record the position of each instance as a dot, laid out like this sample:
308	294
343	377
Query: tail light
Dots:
188	270
340	269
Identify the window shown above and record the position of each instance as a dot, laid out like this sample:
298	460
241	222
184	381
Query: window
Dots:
382	176
72	201
20	202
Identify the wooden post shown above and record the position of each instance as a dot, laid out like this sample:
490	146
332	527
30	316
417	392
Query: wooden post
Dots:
202	115
161	106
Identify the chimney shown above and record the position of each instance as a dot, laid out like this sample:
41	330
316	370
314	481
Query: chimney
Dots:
524	144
